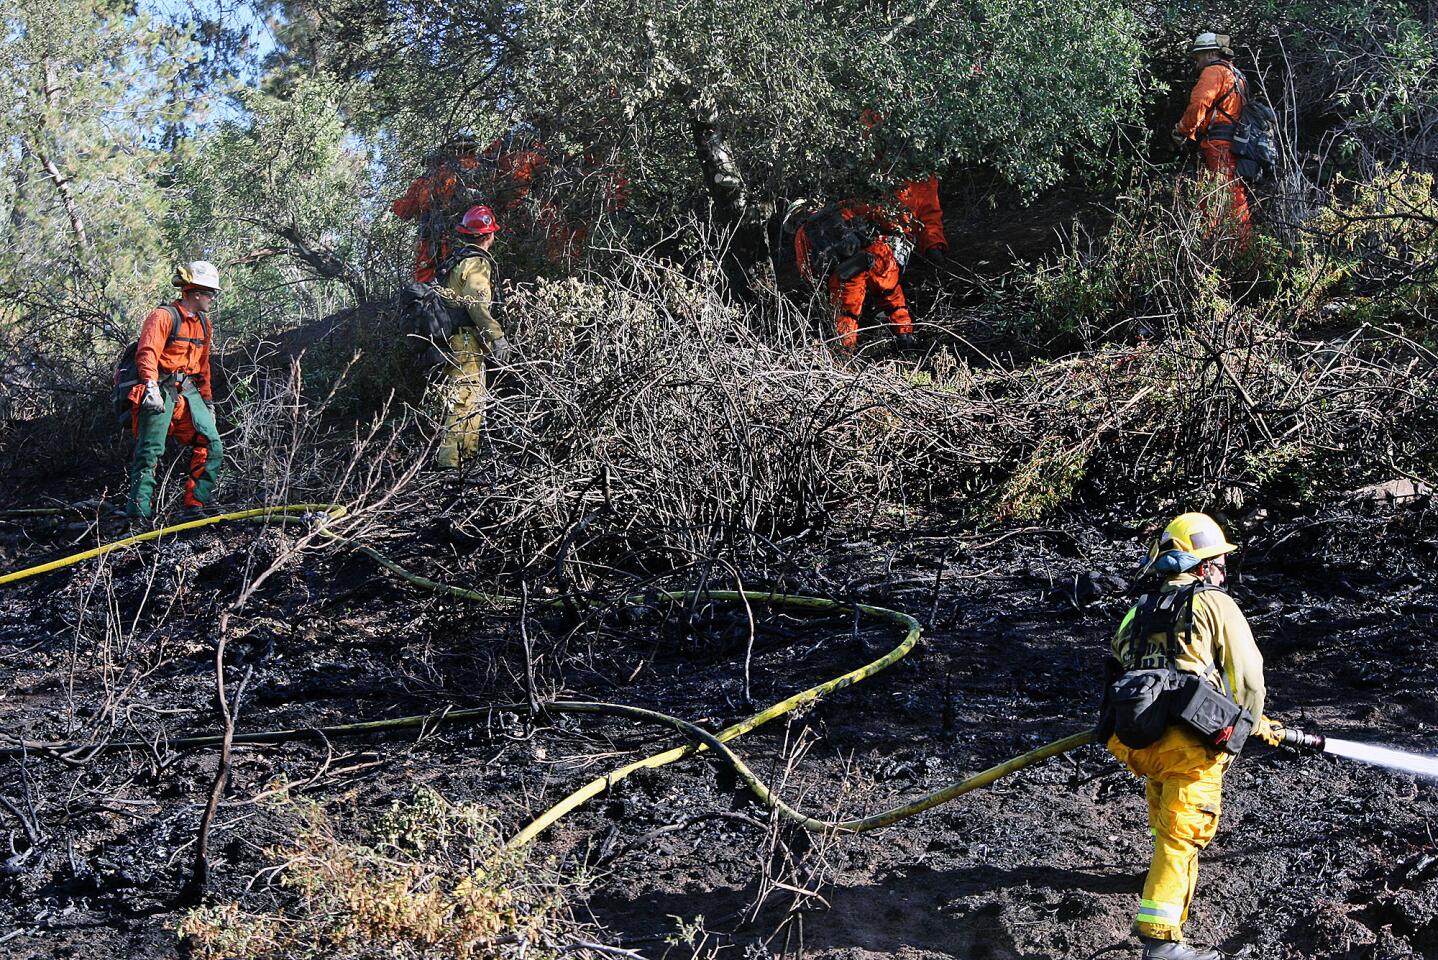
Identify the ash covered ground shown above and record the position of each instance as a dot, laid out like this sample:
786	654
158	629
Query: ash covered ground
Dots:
1316	857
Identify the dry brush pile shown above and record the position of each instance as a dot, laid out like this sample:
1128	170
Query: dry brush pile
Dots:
649	410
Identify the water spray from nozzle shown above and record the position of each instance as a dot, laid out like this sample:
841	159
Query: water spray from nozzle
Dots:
1414	763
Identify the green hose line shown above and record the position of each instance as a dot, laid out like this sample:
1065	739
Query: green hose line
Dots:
703	740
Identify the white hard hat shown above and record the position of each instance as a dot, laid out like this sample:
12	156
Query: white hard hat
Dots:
1205	41
197	273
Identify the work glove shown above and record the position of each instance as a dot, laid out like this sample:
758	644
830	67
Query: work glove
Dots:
500	351
1179	140
1270	731
152	400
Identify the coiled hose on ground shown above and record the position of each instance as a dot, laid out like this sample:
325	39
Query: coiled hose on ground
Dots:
701	740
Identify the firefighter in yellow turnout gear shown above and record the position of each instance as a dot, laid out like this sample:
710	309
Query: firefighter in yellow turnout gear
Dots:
1205	634
470	282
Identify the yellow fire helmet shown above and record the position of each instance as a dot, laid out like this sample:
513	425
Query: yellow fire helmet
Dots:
1186	542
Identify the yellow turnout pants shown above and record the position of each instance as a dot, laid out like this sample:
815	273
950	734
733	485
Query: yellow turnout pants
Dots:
463	398
1185	792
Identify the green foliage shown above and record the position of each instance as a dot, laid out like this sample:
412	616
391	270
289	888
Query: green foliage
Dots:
1020	87
1381	228
1044	481
281	197
983	82
85	87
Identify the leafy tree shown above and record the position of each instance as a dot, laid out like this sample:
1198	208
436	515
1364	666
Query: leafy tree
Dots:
1012	85
285	196
94	99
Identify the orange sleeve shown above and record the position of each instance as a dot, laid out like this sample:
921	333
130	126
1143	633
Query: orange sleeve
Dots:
153	334
1211	83
202	375
415	200
802	251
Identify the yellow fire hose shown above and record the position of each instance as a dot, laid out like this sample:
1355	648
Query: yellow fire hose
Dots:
702	739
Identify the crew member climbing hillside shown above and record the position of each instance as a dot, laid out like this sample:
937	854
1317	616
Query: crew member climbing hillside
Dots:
471	279
173	394
1214	109
1186	689
436	200
846	245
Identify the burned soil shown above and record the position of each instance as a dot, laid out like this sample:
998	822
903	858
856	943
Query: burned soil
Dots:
1316	857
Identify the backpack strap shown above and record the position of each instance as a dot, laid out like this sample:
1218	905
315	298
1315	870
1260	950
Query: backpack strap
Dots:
177	323
1146	619
1225	131
1159	612
1212	667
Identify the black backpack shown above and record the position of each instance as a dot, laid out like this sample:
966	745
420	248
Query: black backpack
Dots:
427	320
1141	703
1251	133
837	243
126	374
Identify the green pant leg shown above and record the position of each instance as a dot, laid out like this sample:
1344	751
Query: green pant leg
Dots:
151	429
208	451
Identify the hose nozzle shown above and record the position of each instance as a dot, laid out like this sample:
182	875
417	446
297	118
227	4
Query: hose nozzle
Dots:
1275	734
1298	740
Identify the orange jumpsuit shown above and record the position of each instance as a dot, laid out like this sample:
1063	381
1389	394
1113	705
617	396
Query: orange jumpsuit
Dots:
926	218
1213	108
516	170
181	365
920	198
433	200
881	281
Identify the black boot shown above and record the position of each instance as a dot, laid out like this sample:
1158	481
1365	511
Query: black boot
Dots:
1175	950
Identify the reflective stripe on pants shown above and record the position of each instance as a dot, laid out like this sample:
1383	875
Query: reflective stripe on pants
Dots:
1185	794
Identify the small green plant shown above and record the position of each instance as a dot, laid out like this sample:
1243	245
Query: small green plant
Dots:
1046	479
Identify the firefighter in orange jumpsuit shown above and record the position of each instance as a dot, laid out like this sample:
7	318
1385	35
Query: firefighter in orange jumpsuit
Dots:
437	200
1214	107
173	397
853	276
924	217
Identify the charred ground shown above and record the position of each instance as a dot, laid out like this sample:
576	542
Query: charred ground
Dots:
1315	858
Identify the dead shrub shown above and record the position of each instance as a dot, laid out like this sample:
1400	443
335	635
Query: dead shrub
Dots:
430	879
